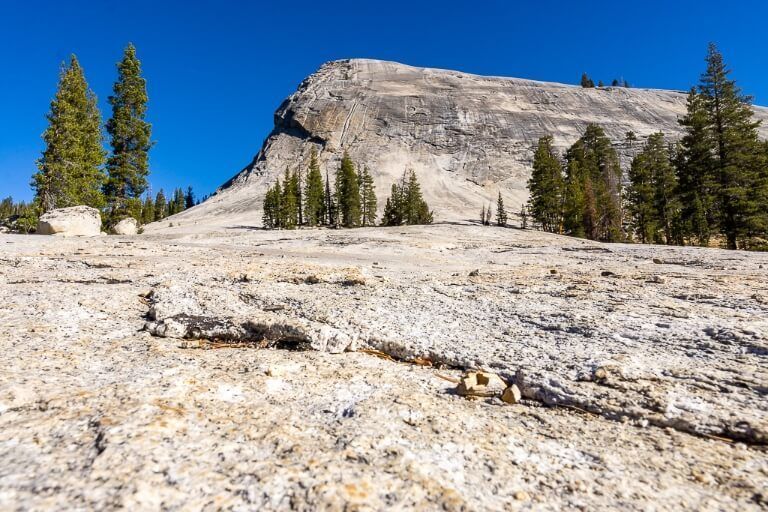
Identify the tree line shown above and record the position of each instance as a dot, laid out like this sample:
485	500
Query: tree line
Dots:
304	199
587	83
710	186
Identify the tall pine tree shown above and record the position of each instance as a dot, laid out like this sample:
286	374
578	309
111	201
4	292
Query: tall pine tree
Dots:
128	165
737	163
695	173
368	203
501	212
592	205
70	170
546	187
348	193
314	197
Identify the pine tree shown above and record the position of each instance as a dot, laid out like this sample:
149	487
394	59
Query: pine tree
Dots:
546	187
348	193
368	203
69	172
615	83
128	165
160	206
288	208
393	209
415	209
189	198
600	83
314	198
652	195
148	210
178	201
592	205
271	211
695	173
331	210
640	199
586	82
501	213
738	158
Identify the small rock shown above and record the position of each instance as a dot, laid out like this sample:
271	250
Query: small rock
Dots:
552	271
522	496
481	384
607	273
313	279
474	273
512	394
657	261
656	280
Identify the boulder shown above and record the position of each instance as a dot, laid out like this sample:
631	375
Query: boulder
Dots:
72	221
127	226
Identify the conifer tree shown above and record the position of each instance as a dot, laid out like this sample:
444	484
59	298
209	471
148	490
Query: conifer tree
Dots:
160	206
271	213
586	82
331	210
600	83
501	213
368	203
289	209
348	193
189	198
178	201
546	187
69	172
393	209
640	199
148	210
314	197
415	208
652	195
128	165
592	205
695	173
737	152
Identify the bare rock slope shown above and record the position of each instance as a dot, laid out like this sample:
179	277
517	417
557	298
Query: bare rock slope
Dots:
467	136
131	374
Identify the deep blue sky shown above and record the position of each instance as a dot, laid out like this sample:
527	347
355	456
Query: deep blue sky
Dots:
217	70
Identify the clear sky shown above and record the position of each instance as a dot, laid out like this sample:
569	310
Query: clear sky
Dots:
217	70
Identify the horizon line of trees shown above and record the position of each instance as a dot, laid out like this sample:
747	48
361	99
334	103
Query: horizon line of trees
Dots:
587	83
710	186
303	199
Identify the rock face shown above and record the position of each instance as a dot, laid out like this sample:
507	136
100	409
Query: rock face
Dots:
73	221
127	226
466	136
147	388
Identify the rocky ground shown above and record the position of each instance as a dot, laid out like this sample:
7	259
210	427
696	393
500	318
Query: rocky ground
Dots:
315	370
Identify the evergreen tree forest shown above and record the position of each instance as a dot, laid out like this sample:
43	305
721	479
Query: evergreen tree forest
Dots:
708	188
349	202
